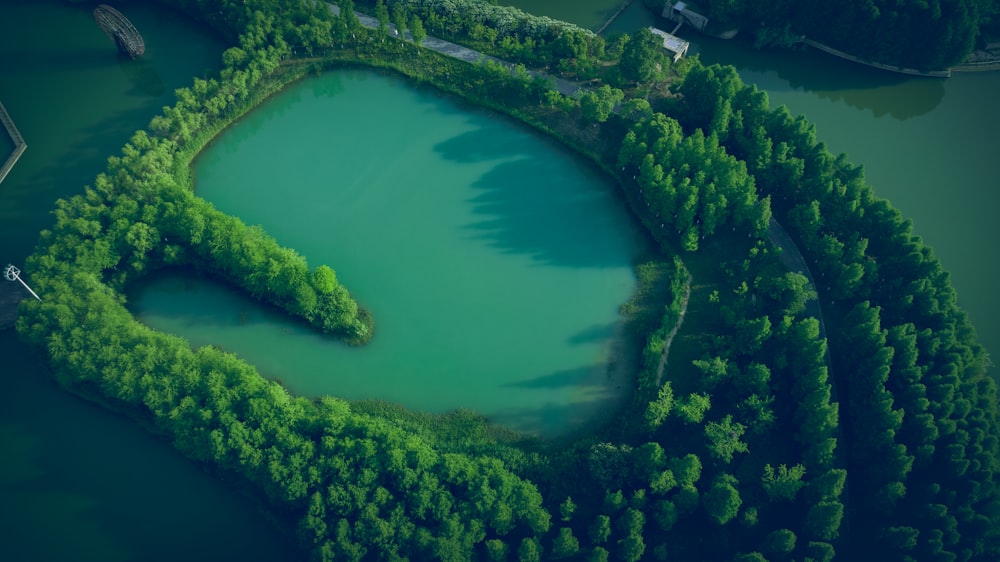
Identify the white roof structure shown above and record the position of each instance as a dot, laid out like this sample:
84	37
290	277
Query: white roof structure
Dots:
672	43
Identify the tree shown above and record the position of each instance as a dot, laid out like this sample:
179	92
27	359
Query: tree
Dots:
631	522
722	501
567	508
692	409
348	14
642	56
823	519
599	554
687	469
399	18
631	548
780	542
382	15
600	529
530	550
565	544
724	438
784	483
417	29
496	549
636	109
598	105
665	515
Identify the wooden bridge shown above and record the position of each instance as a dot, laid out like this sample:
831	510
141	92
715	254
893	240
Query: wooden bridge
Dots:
15	136
120	30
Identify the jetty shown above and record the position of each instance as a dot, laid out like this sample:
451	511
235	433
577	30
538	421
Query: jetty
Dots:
613	17
120	30
15	136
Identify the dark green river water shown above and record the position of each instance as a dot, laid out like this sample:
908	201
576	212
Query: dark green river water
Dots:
80	483
77	482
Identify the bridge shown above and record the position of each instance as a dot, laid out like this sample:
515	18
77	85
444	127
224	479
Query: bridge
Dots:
15	137
120	30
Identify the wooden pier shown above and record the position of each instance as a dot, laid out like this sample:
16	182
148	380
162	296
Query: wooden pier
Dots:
120	30
611	20
15	135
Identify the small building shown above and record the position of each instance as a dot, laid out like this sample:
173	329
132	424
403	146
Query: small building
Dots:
672	43
680	13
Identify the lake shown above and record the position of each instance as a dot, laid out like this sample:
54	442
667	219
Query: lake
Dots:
494	260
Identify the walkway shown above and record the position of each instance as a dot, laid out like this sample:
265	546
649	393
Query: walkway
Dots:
15	135
459	52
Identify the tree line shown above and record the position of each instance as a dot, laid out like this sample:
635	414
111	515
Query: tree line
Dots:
921	422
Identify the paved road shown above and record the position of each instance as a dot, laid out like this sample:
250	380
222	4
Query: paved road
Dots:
459	52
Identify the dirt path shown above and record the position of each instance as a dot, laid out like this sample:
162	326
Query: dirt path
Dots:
673	331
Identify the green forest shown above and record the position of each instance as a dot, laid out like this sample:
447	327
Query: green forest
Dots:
845	414
921	34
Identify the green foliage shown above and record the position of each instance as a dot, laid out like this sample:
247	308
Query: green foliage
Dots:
597	105
417	30
823	519
692	409
496	550
600	529
565	544
529	551
724	438
631	548
722	500
566	509
598	554
784	484
779	543
658	410
643	57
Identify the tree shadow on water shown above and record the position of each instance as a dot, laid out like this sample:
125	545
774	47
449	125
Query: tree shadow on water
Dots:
539	202
559	422
576	376
594	334
859	86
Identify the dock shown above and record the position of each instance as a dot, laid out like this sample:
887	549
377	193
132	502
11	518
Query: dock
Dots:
614	16
15	135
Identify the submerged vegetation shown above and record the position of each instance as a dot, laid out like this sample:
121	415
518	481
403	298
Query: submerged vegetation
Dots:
767	442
